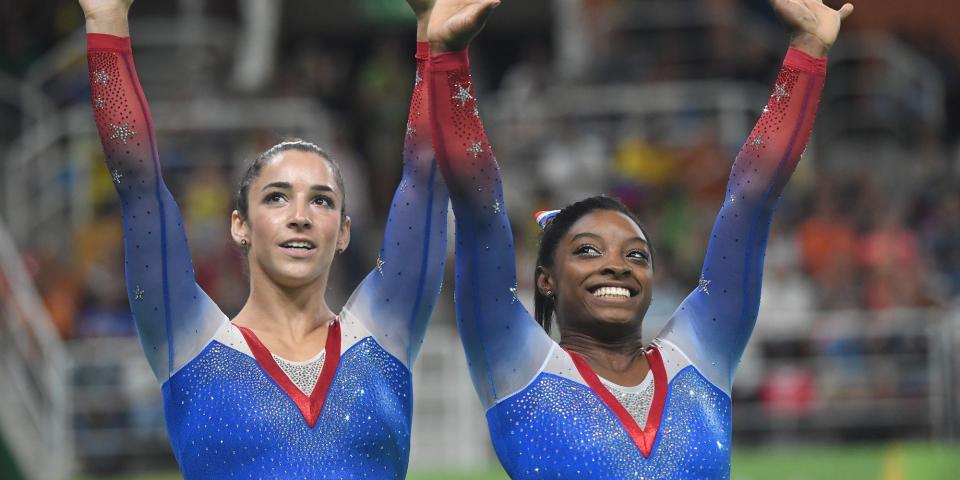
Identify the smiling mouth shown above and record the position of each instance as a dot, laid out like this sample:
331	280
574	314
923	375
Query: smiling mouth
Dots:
612	292
303	245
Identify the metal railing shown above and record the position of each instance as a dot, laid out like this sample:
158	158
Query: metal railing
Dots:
35	411
853	373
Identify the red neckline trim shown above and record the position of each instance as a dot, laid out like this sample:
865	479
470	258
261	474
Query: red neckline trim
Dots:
645	437
311	406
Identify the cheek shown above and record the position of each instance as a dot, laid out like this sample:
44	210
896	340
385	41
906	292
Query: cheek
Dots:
570	280
263	227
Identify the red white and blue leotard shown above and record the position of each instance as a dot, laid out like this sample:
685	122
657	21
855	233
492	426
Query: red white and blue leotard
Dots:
231	411
549	414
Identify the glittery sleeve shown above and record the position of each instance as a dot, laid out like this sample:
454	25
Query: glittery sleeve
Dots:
714	323
505	347
396	299
174	317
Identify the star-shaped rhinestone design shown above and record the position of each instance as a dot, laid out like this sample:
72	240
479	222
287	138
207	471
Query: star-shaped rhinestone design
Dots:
380	264
463	95
766	109
703	284
99	103
476	111
116	175
475	149
780	91
733	199
101	77
496	206
122	132
515	292
757	141
138	293
411	131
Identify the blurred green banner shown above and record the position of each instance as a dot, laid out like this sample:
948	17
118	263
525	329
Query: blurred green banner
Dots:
386	11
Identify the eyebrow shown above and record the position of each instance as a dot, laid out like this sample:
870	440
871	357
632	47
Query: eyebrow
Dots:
288	186
593	235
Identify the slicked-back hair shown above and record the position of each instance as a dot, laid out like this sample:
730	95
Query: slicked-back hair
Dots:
543	306
255	167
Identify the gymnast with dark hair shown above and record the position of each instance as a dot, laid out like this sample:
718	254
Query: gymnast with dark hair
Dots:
601	403
288	388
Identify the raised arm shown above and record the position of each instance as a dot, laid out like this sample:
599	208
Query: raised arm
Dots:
174	317
714	323
396	300
505	348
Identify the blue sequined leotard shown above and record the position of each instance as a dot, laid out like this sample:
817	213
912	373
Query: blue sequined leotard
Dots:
549	414
231	411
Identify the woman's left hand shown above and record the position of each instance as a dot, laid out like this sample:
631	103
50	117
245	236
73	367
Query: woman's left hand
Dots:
454	23
814	25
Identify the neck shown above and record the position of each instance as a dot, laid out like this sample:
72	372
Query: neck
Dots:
288	313
619	359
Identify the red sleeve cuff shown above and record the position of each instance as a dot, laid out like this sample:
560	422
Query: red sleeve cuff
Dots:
803	61
449	61
102	41
423	51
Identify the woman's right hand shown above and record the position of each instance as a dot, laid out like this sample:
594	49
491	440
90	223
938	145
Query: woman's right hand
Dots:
107	16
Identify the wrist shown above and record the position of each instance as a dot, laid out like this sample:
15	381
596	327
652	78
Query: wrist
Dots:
437	48
447	61
803	61
422	28
110	22
810	44
423	51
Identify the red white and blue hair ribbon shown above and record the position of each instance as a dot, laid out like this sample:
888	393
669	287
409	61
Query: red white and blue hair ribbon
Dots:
544	217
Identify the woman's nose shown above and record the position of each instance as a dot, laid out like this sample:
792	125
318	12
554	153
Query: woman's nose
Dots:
300	218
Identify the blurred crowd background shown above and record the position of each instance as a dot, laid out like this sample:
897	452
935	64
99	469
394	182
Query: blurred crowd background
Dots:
645	100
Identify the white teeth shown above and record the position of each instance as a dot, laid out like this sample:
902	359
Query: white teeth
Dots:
612	292
298	245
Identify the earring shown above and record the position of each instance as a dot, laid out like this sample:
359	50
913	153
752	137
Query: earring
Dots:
339	251
243	242
549	293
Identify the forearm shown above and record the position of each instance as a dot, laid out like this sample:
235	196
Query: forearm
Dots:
728	296
772	151
397	299
503	344
463	150
170	311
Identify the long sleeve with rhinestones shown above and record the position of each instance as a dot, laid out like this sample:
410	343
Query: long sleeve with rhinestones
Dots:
719	316
174	317
504	346
398	296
